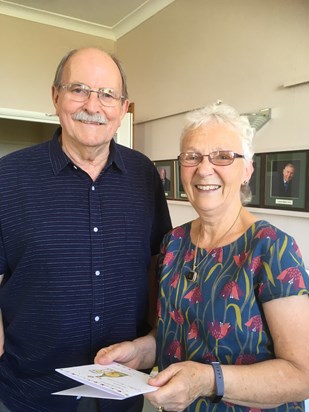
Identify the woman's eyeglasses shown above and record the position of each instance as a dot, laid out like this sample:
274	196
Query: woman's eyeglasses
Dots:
218	158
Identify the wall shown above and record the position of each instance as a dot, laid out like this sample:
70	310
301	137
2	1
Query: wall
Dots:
30	53
242	52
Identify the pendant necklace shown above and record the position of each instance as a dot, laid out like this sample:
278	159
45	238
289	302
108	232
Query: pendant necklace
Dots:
192	274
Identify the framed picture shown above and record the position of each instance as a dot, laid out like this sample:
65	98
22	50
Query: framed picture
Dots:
180	194
286	180
255	181
167	175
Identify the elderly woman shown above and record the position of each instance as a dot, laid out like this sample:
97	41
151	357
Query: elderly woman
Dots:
233	309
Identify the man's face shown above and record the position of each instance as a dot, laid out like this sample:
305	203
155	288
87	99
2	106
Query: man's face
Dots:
288	173
95	69
162	174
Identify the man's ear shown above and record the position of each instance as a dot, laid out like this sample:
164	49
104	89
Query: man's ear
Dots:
124	109
55	97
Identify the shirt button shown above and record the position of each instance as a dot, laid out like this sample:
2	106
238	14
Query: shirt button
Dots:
75	167
93	188
97	318
97	273
95	229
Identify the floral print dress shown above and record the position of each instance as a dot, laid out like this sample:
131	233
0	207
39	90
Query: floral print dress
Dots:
219	317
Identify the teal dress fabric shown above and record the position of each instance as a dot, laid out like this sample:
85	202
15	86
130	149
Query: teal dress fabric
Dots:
220	316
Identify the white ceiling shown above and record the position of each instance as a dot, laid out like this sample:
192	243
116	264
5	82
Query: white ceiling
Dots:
104	18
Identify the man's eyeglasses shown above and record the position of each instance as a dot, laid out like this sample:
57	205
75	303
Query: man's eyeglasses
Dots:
219	158
80	92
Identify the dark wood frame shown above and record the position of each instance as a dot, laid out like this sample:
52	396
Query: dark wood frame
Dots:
273	165
255	181
180	194
169	165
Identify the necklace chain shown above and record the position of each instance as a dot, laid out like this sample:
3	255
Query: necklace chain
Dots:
192	275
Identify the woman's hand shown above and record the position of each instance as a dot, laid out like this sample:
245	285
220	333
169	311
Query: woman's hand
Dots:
138	354
180	384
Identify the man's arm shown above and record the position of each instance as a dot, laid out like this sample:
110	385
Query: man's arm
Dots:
1	327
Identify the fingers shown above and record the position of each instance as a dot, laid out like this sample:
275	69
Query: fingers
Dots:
105	356
120	352
169	395
167	398
163	377
179	385
137	354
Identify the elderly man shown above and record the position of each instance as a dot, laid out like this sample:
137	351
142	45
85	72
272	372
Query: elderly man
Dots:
282	182
82	219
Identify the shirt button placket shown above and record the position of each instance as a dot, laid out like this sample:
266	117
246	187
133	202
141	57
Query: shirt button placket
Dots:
95	219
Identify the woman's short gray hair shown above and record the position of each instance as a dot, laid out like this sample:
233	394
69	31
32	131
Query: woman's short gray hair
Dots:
226	115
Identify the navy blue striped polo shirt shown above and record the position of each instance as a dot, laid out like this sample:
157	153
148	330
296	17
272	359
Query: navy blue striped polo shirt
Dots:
74	254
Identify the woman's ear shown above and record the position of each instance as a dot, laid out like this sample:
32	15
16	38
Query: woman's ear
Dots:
249	169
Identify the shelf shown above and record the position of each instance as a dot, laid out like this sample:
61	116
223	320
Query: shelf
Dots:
278	212
257	210
296	82
28	116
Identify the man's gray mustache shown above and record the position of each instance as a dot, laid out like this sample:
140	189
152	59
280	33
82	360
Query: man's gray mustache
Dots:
92	118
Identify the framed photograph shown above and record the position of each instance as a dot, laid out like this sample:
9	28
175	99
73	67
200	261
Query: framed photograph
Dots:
167	174
286	180
255	181
180	194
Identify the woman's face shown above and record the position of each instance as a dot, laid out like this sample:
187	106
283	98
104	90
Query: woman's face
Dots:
209	187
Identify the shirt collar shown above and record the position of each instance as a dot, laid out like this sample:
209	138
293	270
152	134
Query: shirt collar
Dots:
59	160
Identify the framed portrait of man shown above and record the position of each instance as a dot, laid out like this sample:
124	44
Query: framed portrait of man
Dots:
166	171
286	180
180	193
255	181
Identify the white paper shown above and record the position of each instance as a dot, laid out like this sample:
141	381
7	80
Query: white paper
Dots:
87	392
113	381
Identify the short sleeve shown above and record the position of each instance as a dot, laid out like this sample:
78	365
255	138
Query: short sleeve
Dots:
283	272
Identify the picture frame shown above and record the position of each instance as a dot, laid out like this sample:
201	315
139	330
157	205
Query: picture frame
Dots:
255	181
292	165
166	170
180	194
